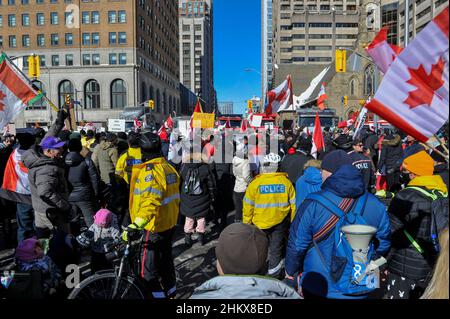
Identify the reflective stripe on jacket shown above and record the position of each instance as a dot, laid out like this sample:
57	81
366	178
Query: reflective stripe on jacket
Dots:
269	198
155	195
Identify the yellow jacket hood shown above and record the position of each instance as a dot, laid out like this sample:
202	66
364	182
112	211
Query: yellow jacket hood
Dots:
430	182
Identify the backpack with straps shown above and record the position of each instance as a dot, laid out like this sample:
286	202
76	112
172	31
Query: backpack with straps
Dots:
439	215
347	267
192	184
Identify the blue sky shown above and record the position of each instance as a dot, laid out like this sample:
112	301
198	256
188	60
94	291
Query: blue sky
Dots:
237	46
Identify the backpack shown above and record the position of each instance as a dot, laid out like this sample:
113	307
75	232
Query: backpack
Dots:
192	184
439	215
347	267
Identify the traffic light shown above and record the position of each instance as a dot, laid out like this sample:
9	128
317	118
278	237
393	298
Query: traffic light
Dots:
250	105
68	99
345	100
34	67
151	104
341	61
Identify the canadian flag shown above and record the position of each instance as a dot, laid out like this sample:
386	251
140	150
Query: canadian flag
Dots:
322	97
137	123
279	98
15	92
381	51
413	95
244	125
318	143
197	109
16	174
168	124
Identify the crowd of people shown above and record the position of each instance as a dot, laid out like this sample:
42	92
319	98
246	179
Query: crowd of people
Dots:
76	193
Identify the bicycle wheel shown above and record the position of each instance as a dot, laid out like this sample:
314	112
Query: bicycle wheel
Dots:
101	286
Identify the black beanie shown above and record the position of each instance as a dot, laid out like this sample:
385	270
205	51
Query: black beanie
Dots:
334	160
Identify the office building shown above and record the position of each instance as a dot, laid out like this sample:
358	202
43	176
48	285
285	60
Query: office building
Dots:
108	55
196	49
266	46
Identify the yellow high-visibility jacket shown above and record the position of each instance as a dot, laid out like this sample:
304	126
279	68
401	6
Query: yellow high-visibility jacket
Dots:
155	194
269	198
126	161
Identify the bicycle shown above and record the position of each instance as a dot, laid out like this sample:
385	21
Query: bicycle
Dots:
122	282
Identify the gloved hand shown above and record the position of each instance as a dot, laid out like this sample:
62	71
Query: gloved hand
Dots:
61	116
138	224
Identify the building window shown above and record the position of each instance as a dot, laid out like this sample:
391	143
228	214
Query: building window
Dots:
42	60
112	17
320	47
112	58
353	87
319	59
85	17
64	88
86	59
40	19
186	27
298	36
25	40
25	19
86	38
39	1
320	36
319	25
11	2
69	59
95	38
40	40
122	58
112	38
68	39
95	17
92	95
118	94
25	2
96	59
1	20
122	37
11	20
53	18
1	41
41	103
369	80
122	16
55	39
298	25
55	60
12	41
346	25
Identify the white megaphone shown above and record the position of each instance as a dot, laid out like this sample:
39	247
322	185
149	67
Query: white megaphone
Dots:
359	236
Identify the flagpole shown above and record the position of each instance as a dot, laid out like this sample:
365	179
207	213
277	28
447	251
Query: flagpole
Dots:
441	143
29	81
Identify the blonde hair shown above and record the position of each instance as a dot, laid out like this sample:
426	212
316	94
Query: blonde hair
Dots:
313	163
438	286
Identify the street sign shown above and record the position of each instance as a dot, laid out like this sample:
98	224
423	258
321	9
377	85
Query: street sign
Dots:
116	125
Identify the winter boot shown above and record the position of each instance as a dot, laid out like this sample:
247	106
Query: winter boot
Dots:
188	239
202	239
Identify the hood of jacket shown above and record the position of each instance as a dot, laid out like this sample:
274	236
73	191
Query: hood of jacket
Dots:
346	182
106	145
34	158
73	159
312	176
244	287
430	182
392	140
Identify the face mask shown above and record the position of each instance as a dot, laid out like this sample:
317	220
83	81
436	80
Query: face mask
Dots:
404	178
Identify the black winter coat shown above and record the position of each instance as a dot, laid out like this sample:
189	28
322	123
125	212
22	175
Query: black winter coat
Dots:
292	164
411	210
197	206
442	170
83	178
391	153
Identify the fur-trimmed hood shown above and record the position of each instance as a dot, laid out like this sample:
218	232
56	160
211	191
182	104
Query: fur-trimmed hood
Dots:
392	140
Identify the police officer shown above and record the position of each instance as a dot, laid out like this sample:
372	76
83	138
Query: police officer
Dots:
363	163
269	204
154	206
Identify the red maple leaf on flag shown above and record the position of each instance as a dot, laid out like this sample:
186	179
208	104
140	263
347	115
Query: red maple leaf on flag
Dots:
426	84
2	96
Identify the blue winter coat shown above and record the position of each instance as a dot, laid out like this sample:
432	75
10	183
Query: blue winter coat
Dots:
308	183
346	182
